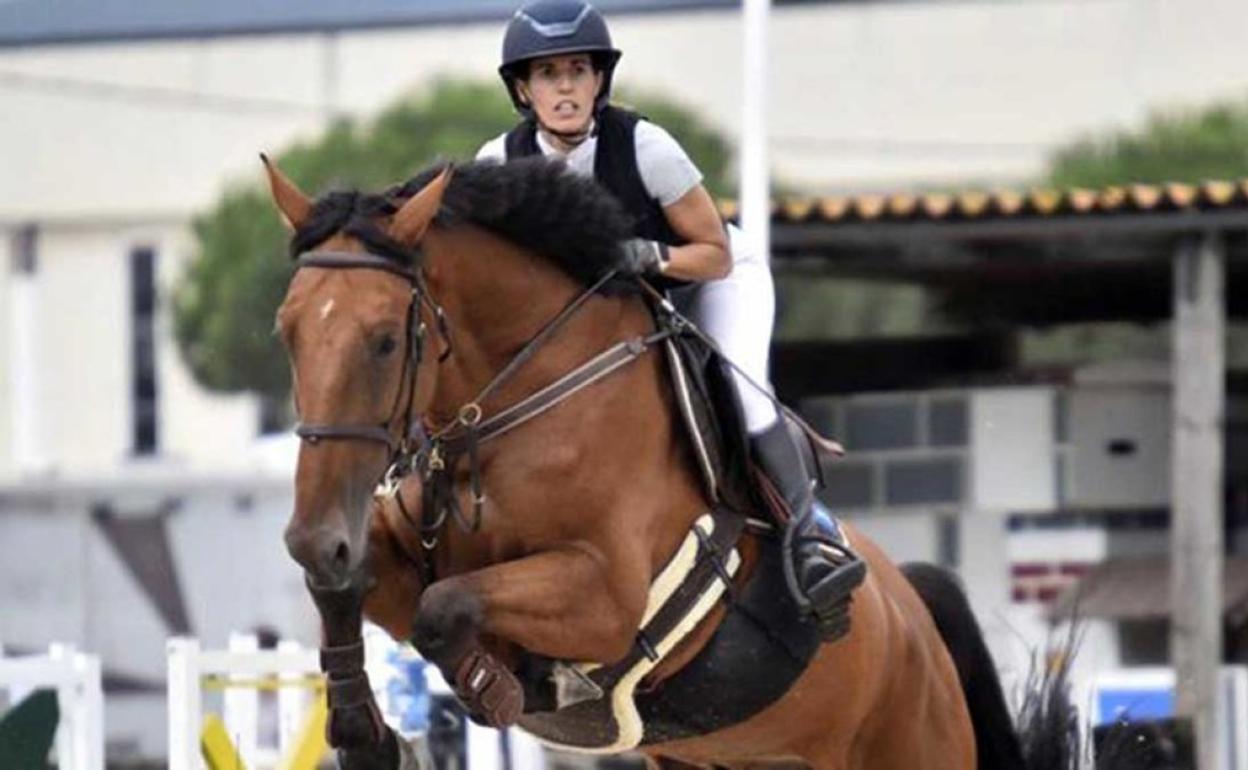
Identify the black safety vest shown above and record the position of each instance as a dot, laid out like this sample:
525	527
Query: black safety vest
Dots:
615	168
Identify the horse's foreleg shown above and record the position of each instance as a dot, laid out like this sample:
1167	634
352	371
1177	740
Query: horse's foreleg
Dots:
355	727
560	603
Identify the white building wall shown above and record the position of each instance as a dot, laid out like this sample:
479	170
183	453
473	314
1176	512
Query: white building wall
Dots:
887	94
906	537
103	144
82	348
83	351
1013	450
7	370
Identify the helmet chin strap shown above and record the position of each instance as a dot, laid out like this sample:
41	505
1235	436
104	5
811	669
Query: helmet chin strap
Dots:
569	138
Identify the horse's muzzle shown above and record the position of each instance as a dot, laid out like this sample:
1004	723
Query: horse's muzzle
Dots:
324	553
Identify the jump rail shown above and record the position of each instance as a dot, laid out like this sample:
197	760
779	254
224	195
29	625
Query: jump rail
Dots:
80	697
240	673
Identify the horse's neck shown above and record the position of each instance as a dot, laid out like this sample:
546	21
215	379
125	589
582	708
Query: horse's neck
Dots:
598	453
498	297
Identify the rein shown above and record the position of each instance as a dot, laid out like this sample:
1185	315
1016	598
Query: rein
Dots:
439	451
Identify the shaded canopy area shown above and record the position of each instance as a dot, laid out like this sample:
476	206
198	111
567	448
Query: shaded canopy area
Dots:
1033	258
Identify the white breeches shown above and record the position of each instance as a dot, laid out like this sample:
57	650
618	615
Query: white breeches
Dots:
739	312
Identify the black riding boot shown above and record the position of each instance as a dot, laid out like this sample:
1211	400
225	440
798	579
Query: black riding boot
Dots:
820	568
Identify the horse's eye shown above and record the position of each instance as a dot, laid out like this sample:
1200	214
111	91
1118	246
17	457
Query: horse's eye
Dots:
386	346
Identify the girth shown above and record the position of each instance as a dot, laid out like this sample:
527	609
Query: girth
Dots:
687	589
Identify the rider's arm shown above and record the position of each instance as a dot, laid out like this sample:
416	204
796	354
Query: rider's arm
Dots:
673	180
705	257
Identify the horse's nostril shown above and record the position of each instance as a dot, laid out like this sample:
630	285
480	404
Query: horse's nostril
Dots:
325	556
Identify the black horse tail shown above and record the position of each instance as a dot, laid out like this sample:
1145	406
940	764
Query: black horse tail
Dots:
1047	737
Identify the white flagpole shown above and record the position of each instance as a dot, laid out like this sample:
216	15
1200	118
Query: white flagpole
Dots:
755	180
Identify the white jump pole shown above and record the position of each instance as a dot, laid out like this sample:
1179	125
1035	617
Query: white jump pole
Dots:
80	739
241	705
184	708
76	677
755	179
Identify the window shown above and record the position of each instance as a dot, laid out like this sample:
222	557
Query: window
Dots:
916	482
26	250
946	423
1144	642
849	484
948	534
890	425
821	413
143	387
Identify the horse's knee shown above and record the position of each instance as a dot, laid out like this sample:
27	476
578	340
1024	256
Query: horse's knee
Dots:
447	622
618	633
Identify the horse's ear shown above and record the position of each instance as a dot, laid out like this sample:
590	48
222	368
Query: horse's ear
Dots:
412	220
294	205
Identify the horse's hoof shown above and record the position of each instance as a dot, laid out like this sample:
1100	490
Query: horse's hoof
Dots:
489	690
384	755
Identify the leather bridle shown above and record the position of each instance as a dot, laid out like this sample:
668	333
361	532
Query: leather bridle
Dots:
434	453
413	352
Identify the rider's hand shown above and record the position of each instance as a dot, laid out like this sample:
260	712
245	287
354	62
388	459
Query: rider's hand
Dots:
648	257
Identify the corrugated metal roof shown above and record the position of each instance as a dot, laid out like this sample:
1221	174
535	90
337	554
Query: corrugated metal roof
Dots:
45	22
1139	589
976	205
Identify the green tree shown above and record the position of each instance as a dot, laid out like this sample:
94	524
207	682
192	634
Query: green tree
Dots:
223	305
1177	146
1183	145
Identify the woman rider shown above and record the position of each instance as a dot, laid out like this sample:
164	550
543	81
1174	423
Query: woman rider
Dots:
558	61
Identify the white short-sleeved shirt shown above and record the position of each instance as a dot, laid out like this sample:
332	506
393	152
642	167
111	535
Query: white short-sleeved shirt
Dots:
665	168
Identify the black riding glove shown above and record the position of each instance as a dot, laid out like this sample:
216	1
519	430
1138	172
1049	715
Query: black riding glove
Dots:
646	256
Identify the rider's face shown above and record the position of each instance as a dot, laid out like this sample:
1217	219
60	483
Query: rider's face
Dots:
561	90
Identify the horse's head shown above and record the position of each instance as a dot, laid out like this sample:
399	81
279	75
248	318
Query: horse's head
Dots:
353	322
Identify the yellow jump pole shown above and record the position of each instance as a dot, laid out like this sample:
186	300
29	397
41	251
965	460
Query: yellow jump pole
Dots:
217	748
311	745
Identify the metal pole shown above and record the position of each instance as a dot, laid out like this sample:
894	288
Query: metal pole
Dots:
24	361
330	96
755	180
1199	366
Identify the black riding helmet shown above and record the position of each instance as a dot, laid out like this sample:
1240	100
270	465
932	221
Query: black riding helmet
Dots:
552	27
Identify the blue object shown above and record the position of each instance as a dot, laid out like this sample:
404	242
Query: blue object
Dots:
825	520
1134	704
408	691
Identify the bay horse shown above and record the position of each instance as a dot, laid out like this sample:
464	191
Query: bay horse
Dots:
425	312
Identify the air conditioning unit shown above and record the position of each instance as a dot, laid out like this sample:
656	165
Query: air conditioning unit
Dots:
1118	440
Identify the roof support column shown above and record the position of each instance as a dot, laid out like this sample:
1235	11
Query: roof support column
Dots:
1199	366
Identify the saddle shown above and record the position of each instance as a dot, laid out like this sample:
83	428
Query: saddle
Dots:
710	408
760	647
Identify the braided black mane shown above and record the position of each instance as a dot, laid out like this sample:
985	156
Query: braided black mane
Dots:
535	203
